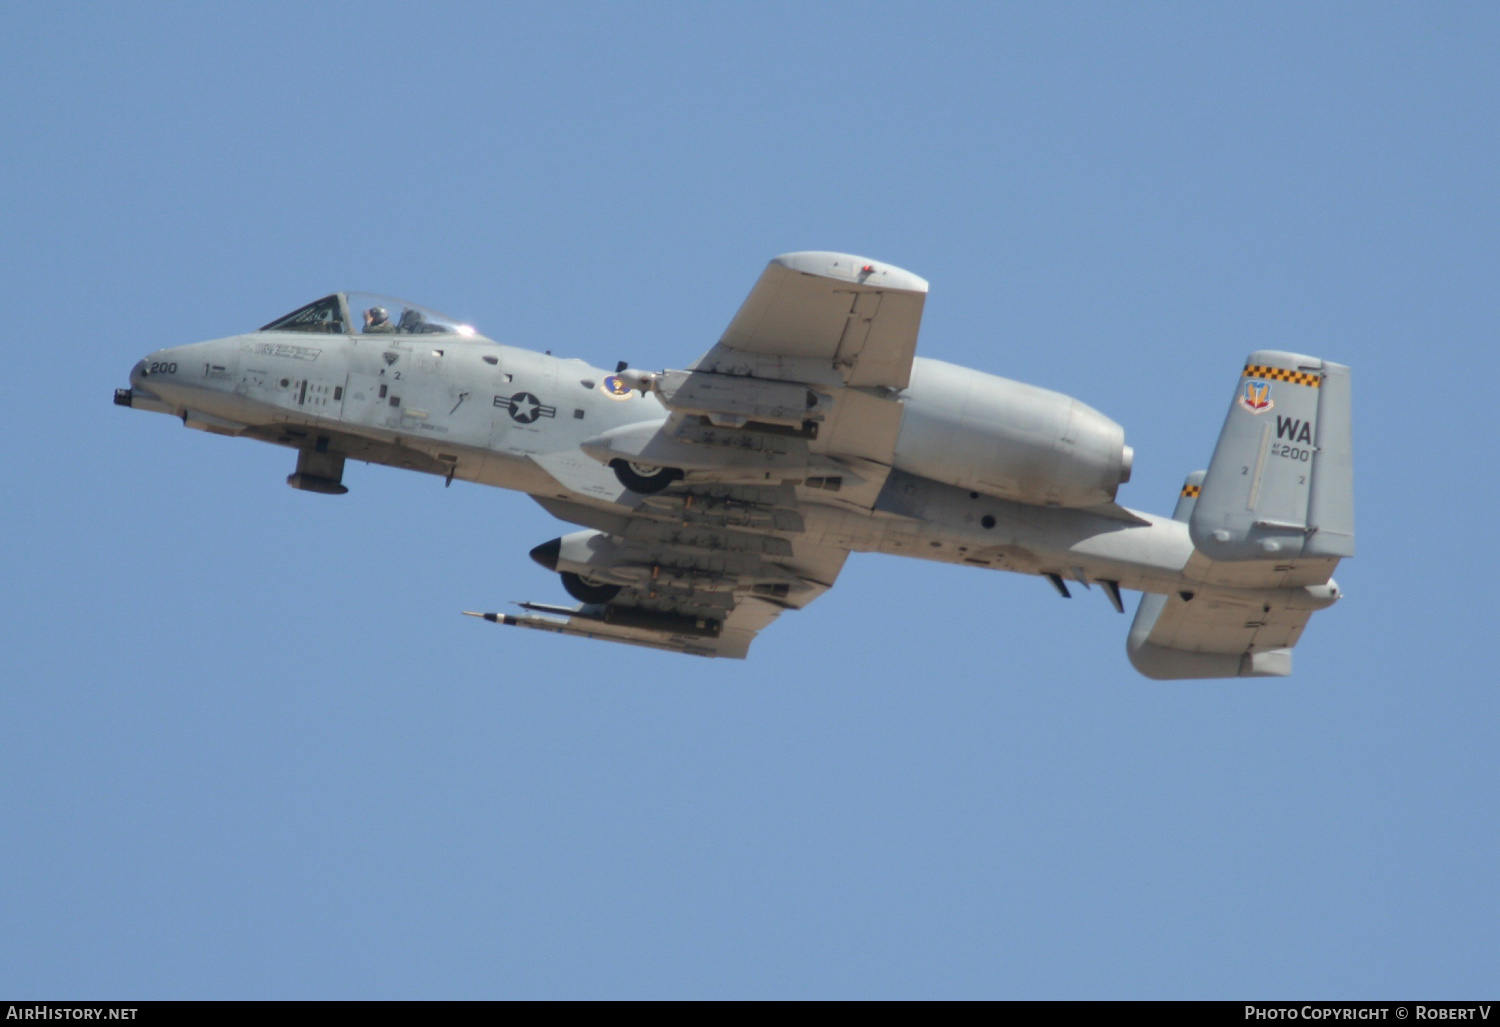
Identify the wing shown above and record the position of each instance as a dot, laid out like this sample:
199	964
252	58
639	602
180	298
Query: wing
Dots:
699	569
796	406
804	385
826	319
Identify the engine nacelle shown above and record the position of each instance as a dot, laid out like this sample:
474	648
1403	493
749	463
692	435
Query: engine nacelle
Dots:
989	434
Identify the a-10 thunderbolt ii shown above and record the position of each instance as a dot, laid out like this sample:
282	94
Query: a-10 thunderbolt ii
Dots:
715	497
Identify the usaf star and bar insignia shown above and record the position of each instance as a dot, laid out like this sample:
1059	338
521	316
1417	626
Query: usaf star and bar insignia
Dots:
524	407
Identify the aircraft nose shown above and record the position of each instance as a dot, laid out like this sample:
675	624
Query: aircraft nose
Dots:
165	367
144	387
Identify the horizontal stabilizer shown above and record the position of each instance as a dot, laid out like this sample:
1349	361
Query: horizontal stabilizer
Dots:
1223	633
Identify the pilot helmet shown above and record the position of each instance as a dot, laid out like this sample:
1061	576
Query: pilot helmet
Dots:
376	314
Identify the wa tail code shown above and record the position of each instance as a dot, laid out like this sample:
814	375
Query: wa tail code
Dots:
1293	429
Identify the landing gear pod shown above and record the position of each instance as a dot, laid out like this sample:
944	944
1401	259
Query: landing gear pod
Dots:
319	471
586	591
644	479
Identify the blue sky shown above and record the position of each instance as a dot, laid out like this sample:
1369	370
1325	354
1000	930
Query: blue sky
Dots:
250	748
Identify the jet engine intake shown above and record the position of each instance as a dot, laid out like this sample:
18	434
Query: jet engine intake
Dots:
1006	439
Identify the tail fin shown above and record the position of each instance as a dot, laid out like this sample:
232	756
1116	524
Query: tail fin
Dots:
1281	482
1273	514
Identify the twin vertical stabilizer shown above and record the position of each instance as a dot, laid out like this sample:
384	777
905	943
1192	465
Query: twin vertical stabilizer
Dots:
1273	515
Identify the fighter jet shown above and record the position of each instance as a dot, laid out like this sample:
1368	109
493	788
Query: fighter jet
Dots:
715	497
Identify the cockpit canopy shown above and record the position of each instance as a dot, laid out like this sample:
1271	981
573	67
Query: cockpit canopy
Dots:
364	313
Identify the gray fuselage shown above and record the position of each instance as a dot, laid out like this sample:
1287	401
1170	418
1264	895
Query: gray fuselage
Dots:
467	408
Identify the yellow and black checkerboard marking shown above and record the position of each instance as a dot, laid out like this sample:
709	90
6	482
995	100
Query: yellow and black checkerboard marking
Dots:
1281	374
1191	491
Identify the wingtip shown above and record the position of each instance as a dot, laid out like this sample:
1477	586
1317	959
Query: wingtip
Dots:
850	267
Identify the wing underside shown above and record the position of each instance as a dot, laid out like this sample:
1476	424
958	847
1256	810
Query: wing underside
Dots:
825	318
797	403
699	569
844	330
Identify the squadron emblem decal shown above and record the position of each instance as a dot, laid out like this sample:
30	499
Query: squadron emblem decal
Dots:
614	388
524	407
1256	397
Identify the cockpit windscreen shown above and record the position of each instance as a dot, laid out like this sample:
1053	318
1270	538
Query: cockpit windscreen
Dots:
326	316
363	313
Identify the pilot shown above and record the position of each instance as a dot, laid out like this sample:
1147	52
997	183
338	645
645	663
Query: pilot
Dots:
377	320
